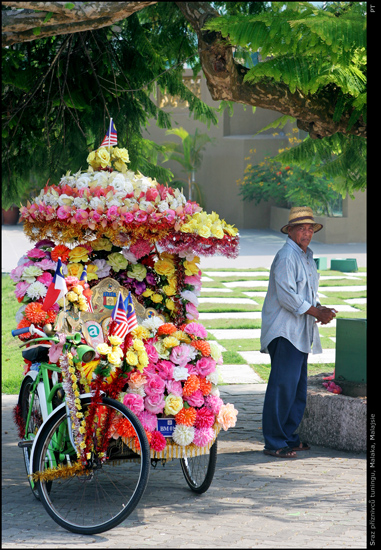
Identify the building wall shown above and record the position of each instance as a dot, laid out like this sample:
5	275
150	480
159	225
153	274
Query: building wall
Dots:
224	163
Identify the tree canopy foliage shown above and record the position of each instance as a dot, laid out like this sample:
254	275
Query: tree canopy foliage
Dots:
67	70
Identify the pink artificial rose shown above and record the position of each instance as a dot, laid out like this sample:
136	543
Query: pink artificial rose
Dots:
198	330
153	356
203	436
63	212
175	387
128	217
158	441
151	194
214	403
192	369
21	289
16	273
193	280
205	366
191	311
165	369
170	215
204	418
180	355
81	215
46	278
36	254
196	399
148	420
93	219
141	216
134	402
112	213
154	403
155	385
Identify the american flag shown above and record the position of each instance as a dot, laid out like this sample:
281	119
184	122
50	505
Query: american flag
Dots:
110	138
120	325
88	299
131	315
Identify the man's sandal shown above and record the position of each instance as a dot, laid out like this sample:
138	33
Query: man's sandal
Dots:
303	446
286	452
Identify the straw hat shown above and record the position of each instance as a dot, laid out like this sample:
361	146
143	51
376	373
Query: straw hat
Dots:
301	214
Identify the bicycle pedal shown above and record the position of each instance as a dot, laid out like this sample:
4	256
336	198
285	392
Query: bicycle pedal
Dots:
25	443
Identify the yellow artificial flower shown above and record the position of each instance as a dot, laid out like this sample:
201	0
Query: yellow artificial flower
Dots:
103	156
91	272
173	404
72	296
103	349
120	166
140	332
115	340
164	267
170	342
147	293
79	254
138	345
170	304
102	244
157	298
204	231
113	358
190	267
74	270
131	358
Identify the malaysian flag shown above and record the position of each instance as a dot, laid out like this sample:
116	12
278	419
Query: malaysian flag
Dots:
57	288
120	326
88	298
131	315
110	138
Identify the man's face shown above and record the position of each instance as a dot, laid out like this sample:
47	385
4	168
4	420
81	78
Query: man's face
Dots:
301	234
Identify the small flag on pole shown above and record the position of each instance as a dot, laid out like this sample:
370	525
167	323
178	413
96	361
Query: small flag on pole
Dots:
131	315
88	298
57	288
119	316
110	138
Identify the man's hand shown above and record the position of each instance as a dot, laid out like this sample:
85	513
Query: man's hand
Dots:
324	315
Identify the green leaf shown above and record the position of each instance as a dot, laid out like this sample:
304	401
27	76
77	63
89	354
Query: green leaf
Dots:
37	31
69	6
48	17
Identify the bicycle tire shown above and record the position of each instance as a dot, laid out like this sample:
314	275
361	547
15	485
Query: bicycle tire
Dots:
35	423
91	504
199	470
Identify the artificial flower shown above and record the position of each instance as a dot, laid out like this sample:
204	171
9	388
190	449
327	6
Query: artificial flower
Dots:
148	420
203	436
196	399
158	441
134	402
117	261
31	273
227	416
196	329
79	254
183	435
173	404
36	290
186	416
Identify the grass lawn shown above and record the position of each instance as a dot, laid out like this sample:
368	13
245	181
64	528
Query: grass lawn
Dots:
12	363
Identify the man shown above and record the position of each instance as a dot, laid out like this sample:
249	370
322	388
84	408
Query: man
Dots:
289	330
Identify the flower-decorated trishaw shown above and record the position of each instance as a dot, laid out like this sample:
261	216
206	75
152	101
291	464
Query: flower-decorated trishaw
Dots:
115	269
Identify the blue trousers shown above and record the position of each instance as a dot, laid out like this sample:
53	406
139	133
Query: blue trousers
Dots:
286	395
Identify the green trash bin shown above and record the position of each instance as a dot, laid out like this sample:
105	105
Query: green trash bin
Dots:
321	263
348	265
350	363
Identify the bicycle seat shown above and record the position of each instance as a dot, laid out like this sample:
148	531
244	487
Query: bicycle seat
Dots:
37	353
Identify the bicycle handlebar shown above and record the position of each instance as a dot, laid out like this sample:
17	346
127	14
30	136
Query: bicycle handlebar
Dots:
32	329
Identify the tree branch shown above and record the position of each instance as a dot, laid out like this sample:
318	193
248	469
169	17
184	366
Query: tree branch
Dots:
224	77
21	25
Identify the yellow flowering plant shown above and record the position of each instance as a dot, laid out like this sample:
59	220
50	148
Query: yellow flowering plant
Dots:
113	157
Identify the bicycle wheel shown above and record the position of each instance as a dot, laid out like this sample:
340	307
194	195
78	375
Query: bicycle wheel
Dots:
199	470
34	424
98	501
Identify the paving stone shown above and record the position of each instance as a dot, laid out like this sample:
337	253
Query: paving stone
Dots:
211	289
239	374
223	301
231	315
246	284
358	288
235	334
258	358
356	301
237	273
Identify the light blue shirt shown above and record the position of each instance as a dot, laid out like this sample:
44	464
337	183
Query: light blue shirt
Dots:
293	289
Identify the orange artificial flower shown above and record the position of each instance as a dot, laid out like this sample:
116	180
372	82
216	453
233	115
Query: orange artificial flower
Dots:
186	416
166	328
201	345
205	386
60	251
191	385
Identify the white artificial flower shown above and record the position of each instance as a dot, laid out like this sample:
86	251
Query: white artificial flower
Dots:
81	202
183	435
65	199
82	182
189	296
138	391
129	256
162	206
97	202
115	201
180	373
213	377
153	323
36	290
30	273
